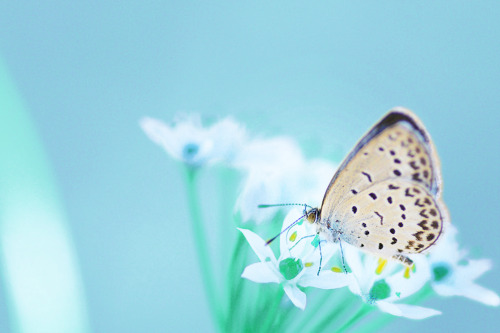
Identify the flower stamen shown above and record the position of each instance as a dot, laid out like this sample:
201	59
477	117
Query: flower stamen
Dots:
336	269
381	266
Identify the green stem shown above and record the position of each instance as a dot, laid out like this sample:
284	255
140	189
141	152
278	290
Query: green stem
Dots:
272	307
201	245
306	319
283	319
235	281
363	311
340	296
334	315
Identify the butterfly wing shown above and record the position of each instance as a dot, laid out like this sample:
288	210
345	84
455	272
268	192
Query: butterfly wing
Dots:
395	161
392	217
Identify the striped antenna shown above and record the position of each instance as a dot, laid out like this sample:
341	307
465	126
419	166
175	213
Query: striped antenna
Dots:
284	230
285	204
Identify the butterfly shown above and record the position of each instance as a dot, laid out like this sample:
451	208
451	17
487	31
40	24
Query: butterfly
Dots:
386	196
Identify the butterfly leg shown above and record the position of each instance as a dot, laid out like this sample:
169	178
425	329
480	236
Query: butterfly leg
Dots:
342	256
309	236
404	260
320	256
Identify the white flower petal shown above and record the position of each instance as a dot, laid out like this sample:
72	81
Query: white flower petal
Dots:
297	296
229	138
259	188
311	180
402	287
408	311
469	290
299	243
448	289
269	154
354	287
260	272
284	238
353	258
159	133
193	144
447	249
190	142
271	165
325	280
481	294
259	246
277	173
473	269
363	269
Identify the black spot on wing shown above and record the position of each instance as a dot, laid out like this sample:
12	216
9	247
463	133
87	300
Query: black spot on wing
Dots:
423	213
414	165
367	176
423	225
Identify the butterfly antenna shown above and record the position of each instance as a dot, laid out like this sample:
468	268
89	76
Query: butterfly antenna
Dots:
286	229
287	204
284	204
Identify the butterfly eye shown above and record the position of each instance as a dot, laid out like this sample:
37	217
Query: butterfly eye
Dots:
312	215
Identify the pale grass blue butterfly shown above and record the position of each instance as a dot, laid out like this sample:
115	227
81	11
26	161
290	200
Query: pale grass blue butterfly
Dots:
386	196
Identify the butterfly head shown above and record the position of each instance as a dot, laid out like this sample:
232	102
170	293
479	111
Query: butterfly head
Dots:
313	215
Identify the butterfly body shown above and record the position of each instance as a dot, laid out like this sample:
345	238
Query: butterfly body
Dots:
385	197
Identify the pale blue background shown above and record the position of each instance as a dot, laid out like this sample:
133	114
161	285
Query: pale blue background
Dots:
320	71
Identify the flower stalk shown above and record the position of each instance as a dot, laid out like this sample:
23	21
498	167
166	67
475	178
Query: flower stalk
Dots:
202	249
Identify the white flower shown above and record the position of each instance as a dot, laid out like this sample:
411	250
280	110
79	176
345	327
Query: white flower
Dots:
453	275
384	283
298	263
191	143
277	173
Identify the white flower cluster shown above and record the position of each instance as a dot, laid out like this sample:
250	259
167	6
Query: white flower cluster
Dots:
188	141
377	281
276	172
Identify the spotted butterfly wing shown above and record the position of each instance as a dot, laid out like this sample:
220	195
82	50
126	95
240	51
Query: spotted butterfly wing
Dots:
386	196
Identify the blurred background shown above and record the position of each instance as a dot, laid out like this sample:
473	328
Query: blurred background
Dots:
322	73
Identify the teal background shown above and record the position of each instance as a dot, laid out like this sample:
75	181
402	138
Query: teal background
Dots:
321	72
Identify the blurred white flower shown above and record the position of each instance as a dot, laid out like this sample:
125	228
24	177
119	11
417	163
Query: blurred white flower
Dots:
384	283
298	263
276	172
454	275
188	141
